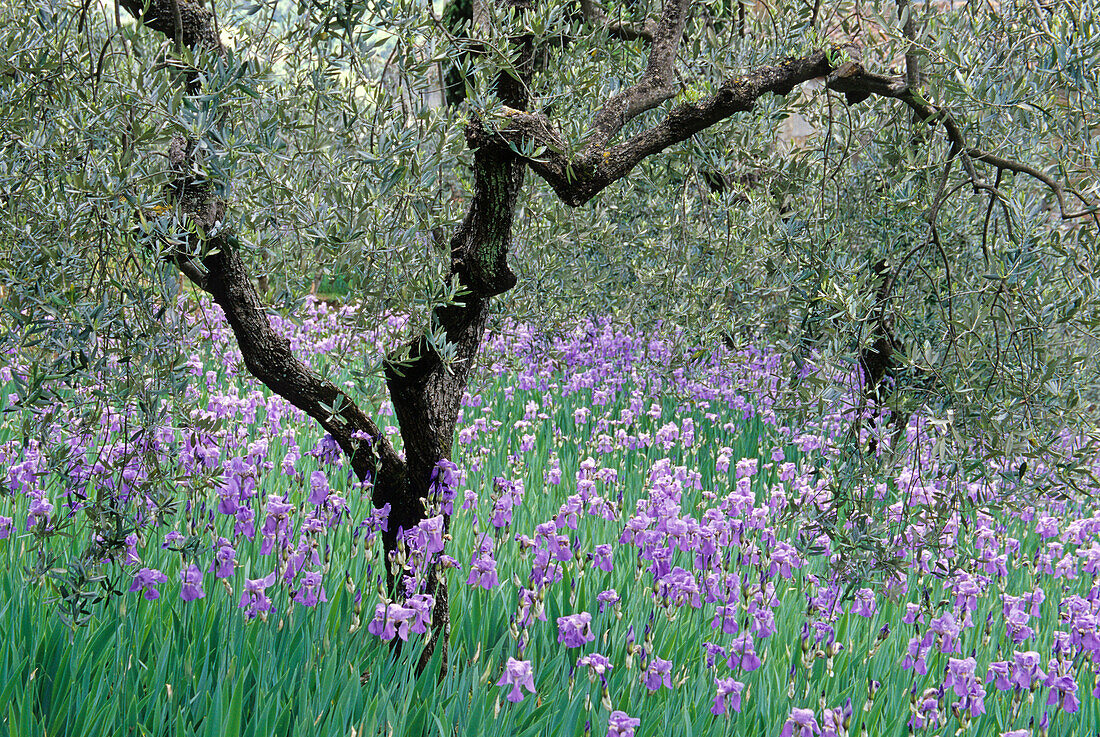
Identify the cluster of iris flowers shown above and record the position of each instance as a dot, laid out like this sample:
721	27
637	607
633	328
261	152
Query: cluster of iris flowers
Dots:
664	526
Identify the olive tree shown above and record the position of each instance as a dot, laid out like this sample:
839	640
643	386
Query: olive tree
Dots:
934	228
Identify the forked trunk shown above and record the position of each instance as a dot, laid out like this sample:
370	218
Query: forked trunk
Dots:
426	390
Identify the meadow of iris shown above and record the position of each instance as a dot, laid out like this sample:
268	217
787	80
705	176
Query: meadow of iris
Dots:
632	546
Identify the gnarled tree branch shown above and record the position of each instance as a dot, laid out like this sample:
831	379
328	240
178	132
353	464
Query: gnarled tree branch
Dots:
267	355
862	83
656	85
578	180
220	271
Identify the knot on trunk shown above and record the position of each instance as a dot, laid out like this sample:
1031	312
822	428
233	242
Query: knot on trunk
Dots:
191	191
486	279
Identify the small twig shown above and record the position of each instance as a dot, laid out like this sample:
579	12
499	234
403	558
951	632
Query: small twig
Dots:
950	300
1054	186
83	12
214	17
195	273
988	215
941	190
178	18
908	29
617	28
99	65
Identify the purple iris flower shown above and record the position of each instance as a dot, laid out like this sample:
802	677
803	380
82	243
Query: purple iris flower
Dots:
575	630
391	620
725	616
483	572
621	724
763	621
999	674
609	597
569	512
597	664
274	528
380	519
421	606
960	672
229	492
928	712
253	599
948	630
728	696
319	488
5	527
290	460
961	678
835	721
1046	527
557	545
131	556
310	591
40	509
224	559
916	656
683	587
429	536
722	463
602	558
1063	692
659	672
245	522
1025	669
191	576
746	468
1016	624
802	720
502	512
146	580
327	449
530	604
742	653
444	484
784	557
714	652
519	675
864	604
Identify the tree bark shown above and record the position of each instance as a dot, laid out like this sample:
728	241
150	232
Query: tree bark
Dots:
195	21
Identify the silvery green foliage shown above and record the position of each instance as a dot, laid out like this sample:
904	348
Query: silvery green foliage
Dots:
994	322
325	131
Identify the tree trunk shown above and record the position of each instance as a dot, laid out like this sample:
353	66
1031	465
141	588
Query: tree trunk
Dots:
426	391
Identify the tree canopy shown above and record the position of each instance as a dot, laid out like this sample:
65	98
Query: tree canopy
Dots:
902	191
